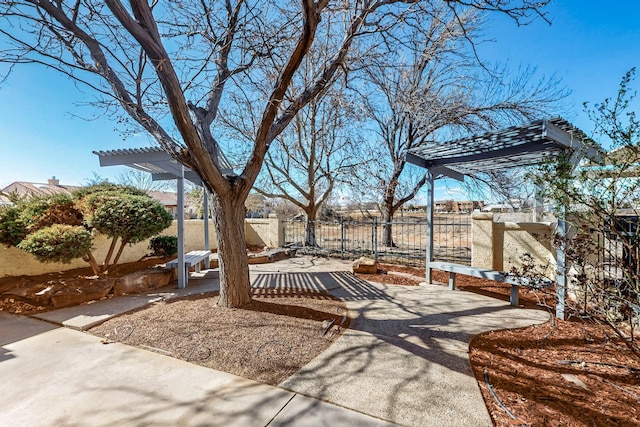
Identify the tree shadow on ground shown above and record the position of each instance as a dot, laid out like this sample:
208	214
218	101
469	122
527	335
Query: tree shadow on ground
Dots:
406	346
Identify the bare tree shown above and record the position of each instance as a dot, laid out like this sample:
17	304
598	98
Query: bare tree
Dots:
170	66
311	157
142	181
431	85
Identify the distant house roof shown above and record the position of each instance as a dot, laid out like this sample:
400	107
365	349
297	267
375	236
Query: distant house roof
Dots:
165	198
52	186
4	201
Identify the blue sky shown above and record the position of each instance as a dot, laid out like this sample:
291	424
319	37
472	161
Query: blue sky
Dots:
590	45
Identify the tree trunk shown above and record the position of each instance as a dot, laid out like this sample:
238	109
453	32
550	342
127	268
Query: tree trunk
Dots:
387	233
123	243
94	264
310	226
310	233
228	219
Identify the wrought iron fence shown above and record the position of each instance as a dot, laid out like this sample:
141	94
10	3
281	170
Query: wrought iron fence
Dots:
349	239
619	247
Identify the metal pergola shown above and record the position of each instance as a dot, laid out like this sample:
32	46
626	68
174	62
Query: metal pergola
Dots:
162	166
517	146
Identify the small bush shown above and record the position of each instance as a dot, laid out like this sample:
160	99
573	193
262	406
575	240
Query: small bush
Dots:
12	228
58	243
164	245
132	218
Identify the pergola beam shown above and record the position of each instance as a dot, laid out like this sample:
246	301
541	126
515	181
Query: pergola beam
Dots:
129	157
482	156
189	175
444	171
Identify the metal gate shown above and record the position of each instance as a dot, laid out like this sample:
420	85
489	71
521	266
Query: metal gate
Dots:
349	239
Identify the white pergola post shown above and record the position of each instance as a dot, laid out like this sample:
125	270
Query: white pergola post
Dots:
561	266
182	282
205	215
429	217
538	204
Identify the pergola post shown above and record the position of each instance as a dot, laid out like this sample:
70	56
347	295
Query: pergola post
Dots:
429	231
205	207
538	204
182	282
561	266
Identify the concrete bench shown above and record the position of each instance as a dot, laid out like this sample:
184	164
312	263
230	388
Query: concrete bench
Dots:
191	259
484	273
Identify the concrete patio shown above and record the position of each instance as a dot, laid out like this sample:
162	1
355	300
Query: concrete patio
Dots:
404	361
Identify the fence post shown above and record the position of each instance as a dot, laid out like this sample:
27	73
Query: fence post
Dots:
374	238
342	236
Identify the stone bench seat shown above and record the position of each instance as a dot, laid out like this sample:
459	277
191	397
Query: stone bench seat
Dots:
484	273
191	259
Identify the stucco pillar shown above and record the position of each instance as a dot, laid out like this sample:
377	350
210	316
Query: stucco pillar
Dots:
276	231
482	240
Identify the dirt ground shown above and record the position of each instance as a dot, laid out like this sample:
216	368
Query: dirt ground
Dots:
269	340
562	373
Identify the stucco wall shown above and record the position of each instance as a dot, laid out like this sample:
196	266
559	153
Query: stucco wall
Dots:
263	232
500	245
512	240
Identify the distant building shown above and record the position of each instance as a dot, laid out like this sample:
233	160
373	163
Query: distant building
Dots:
4	201
30	189
511	205
457	206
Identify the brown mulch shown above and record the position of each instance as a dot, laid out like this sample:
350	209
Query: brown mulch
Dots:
571	373
562	373
269	340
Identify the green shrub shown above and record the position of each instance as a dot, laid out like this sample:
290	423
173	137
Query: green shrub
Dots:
131	218
58	243
41	212
106	188
12	228
60	228
164	245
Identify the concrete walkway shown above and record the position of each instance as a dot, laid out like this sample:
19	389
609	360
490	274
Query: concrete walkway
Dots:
404	360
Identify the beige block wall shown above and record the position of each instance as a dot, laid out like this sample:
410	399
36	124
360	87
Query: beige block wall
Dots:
500	245
263	232
512	240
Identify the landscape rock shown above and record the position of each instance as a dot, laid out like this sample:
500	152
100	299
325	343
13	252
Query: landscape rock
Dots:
272	255
39	295
365	265
278	254
82	290
141	281
258	259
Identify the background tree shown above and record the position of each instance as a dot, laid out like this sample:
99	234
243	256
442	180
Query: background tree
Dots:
256	204
312	157
168	67
61	228
143	181
428	86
